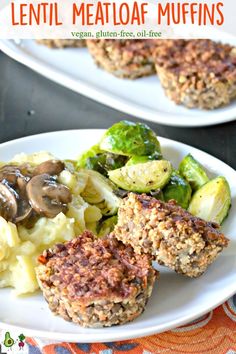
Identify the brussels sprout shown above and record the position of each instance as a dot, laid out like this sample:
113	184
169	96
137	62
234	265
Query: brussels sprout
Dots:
212	201
82	159
107	226
127	138
158	194
92	226
99	192
178	189
193	172
96	163
141	159
142	177
105	162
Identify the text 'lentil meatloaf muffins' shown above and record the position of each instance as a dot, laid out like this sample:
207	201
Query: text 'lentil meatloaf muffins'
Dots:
63	43
95	282
124	58
197	73
173	236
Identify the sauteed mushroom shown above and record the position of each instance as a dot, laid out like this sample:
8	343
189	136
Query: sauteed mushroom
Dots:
51	167
21	183
14	205
46	196
8	203
20	194
24	209
9	173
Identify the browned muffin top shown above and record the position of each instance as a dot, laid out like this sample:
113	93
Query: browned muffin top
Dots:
96	268
174	216
197	56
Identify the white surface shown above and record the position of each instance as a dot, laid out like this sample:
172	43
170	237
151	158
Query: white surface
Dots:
175	300
143	98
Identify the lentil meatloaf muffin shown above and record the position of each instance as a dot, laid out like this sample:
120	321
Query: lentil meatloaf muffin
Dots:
173	236
197	73
63	43
124	58
95	282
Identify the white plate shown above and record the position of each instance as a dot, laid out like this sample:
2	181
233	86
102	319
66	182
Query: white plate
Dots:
175	300
143	98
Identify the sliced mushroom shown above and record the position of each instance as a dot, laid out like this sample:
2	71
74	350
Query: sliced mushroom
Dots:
8	203
14	204
9	173
21	183
51	167
46	196
24	209
30	222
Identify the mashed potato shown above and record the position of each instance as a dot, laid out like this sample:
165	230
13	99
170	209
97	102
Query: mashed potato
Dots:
20	246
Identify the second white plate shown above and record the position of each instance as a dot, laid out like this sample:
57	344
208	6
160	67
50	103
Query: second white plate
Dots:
143	98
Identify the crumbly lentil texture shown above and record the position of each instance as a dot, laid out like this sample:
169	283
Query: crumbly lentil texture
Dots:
63	43
197	73
124	58
170	234
95	282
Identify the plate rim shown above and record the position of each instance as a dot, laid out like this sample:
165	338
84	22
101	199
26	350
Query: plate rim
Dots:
16	52
101	336
131	333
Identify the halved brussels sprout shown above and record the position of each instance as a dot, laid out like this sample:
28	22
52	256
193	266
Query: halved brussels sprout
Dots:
99	192
75	181
142	177
76	210
82	159
212	201
107	226
92	226
178	189
92	214
128	138
142	159
193	172
105	162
